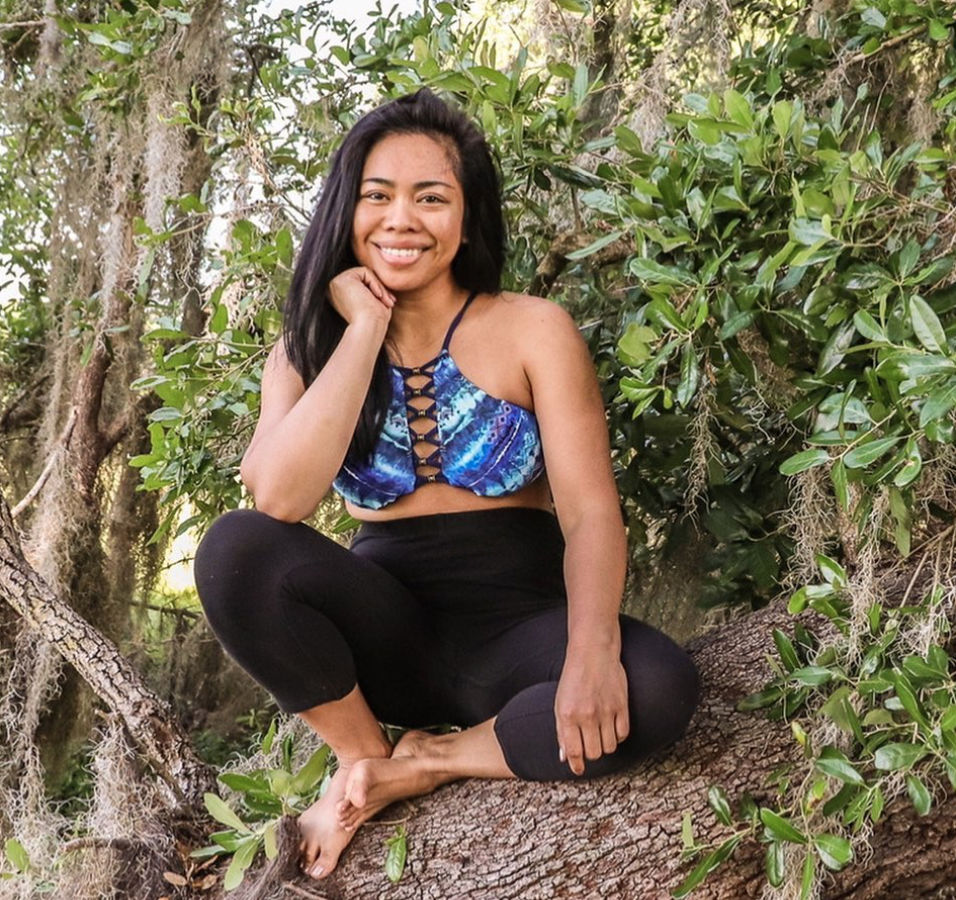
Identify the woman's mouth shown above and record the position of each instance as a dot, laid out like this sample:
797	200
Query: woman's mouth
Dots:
401	255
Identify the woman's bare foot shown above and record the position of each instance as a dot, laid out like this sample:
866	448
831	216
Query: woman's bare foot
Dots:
375	783
323	838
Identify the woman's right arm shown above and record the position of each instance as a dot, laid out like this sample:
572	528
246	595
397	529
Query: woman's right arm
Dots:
303	434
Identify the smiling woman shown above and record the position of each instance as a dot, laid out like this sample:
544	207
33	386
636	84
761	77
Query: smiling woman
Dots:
464	426
408	220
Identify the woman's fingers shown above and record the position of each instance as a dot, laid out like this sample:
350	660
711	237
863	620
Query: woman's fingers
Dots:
572	749
608	737
591	735
622	725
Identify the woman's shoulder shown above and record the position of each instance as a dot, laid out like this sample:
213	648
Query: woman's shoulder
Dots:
531	311
534	315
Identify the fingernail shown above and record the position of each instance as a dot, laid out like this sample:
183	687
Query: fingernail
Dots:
561	754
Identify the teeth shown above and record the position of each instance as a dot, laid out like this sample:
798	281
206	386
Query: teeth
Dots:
404	253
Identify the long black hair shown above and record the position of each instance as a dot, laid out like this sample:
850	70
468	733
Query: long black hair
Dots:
312	327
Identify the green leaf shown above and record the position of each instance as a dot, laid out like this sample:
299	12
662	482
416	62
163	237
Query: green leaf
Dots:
868	326
782	115
786	650
809	232
834	851
654	272
737	322
838	477
239	782
805	459
780	827
634	345
717	798
912	465
914	364
927	326
938	30
270	736
891	757
759	700
269	841
807	879
16	854
833	763
832	571
594	246
921	797
240	862
223	812
872	16
812	675
839	709
397	854
575	6
312	772
938	403
775	864
689	376
948	721
220	319
738	109
687	830
863	455
709	863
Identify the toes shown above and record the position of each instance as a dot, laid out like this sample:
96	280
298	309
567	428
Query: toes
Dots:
357	793
324	865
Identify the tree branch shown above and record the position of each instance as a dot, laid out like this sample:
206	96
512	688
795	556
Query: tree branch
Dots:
62	443
149	720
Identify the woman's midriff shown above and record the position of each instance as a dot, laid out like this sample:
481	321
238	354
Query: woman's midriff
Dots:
431	499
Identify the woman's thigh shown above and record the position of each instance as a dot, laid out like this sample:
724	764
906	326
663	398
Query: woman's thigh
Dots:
516	680
308	618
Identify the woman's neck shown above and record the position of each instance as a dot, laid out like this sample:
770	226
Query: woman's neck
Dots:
421	318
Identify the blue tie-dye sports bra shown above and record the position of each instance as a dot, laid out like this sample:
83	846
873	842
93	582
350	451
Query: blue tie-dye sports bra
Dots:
466	437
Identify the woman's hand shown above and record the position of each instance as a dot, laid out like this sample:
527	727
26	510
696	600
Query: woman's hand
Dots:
590	707
357	293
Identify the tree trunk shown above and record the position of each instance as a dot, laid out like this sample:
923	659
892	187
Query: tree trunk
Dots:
620	837
148	720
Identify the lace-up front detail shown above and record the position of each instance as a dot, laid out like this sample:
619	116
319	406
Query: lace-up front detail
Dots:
421	408
442	428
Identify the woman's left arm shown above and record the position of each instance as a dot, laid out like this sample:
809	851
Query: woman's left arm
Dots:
591	704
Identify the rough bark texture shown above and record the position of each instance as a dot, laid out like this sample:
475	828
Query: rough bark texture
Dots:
105	670
620	837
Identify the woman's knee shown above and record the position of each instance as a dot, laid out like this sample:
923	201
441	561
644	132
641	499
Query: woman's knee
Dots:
232	560
664	687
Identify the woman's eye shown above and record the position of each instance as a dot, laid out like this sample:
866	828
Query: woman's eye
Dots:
374	195
433	198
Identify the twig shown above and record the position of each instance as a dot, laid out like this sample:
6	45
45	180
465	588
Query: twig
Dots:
34	23
100	843
886	45
172	610
48	468
289	886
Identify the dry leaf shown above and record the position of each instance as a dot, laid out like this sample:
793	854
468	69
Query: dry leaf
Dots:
173	878
206	883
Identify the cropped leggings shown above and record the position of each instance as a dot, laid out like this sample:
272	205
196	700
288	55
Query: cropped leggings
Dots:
452	618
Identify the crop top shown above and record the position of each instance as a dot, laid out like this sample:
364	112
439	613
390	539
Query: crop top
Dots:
458	434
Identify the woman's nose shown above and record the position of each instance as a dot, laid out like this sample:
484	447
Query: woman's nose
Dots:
401	214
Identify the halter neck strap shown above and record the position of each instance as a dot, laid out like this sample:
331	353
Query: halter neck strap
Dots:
457	319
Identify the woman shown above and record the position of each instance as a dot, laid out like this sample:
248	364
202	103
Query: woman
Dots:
451	605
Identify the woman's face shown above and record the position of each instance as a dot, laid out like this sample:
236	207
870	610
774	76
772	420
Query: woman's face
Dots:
409	214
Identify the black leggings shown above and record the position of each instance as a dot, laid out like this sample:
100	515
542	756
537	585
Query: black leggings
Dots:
453	618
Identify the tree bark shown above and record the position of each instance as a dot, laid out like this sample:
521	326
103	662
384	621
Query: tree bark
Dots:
148	719
620	837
